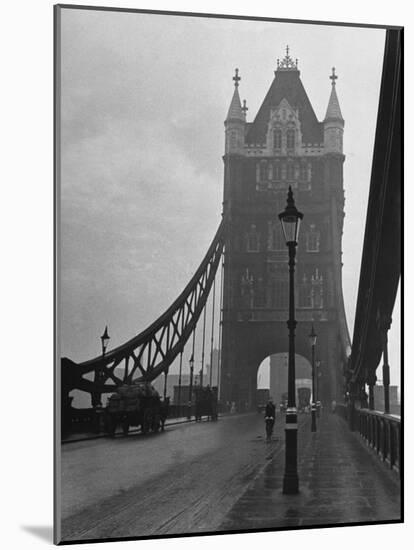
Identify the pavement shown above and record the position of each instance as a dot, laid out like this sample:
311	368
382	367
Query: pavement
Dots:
221	476
341	481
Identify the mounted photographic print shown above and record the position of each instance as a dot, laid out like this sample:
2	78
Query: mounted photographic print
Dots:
228	260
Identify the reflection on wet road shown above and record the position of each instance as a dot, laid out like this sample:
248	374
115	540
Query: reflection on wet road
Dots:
184	480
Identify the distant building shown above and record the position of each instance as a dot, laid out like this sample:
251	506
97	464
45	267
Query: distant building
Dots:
214	373
262	396
279	375
172	382
379	399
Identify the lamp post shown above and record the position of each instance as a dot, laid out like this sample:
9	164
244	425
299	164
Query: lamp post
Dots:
96	396
318	375
312	341
105	341
190	396
290	219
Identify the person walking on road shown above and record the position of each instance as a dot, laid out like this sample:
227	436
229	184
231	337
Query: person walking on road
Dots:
270	415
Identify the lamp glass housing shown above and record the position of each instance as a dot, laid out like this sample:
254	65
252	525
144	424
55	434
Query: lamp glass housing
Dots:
105	339
290	219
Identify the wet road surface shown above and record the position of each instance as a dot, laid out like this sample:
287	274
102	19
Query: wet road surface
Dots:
341	481
222	476
184	480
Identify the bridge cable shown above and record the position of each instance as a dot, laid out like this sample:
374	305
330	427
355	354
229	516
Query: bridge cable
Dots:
212	332
204	342
179	383
165	382
220	325
191	386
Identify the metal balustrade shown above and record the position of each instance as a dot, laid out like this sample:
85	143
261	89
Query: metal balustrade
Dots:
380	431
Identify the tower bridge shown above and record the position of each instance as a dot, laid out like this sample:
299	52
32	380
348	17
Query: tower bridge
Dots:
284	146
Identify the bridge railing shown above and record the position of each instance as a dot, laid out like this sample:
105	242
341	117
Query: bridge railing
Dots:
382	432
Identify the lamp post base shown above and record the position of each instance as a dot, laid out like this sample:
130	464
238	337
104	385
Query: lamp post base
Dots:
313	421
290	478
290	484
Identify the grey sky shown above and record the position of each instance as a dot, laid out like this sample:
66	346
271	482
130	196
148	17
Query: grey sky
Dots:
144	98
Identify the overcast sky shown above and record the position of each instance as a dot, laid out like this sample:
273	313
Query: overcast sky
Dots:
144	98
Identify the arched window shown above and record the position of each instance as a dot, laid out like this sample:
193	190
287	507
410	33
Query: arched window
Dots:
277	138
290	139
290	171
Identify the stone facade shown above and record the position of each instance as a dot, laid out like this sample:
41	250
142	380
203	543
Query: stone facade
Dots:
284	146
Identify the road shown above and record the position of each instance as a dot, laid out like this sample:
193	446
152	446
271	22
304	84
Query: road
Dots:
184	480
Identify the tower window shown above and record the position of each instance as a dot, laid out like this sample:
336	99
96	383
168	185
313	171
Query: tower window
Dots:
305	293
317	290
290	171
263	171
281	293
276	171
312	239
277	139
270	171
303	172
290	139
309	171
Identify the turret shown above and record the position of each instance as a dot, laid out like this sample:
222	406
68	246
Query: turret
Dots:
333	122
235	121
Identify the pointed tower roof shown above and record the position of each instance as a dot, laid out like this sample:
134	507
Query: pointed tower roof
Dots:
333	112
235	110
287	85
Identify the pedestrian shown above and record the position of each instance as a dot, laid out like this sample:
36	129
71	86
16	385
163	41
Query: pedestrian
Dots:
270	415
164	410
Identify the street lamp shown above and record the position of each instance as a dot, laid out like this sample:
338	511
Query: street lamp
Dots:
312	341
290	219
190	397
96	396
318	375
105	340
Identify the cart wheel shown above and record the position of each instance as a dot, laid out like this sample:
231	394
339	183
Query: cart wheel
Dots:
147	421
156	423
125	427
111	424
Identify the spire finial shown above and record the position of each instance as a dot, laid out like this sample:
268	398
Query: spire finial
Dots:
333	76
236	77
287	63
290	199
245	107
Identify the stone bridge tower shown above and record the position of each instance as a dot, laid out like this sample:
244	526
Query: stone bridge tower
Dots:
284	145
